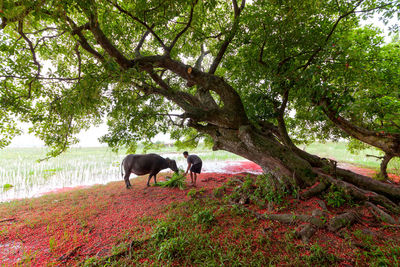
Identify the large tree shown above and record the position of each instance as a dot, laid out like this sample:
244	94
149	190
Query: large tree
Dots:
227	70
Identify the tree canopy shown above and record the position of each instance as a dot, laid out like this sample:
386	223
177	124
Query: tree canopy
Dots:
294	71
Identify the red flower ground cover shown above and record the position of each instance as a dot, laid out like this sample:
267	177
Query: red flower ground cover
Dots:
86	222
65	228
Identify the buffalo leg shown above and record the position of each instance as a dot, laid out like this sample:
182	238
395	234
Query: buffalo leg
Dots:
148	181
126	178
155	181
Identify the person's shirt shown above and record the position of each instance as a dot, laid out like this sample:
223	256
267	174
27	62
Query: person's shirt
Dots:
193	159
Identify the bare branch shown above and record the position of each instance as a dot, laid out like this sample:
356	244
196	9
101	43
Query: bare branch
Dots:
373	156
141	42
39	78
42	30
184	29
199	61
184	100
385	141
236	8
78	54
49	37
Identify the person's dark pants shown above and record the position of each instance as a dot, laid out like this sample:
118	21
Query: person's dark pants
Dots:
196	168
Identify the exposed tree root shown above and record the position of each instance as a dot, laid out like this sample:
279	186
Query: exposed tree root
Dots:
314	190
322	204
305	232
380	214
345	219
378	204
388	190
361	194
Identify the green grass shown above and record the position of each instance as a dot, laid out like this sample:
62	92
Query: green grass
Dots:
207	232
338	151
190	235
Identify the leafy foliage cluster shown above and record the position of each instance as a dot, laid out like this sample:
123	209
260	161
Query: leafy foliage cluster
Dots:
260	191
336	197
177	180
67	65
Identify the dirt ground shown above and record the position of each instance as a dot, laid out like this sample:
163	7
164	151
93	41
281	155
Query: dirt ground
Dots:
64	228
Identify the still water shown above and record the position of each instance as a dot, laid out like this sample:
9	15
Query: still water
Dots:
37	179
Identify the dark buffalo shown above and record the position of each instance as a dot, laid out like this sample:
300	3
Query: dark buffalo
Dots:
145	164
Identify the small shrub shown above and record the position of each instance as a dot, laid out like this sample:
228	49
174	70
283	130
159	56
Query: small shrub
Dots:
319	256
379	177
52	243
237	210
244	190
193	193
335	197
205	218
219	191
266	191
92	261
164	230
119	248
172	248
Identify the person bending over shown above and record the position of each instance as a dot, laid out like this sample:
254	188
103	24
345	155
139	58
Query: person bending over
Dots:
194	165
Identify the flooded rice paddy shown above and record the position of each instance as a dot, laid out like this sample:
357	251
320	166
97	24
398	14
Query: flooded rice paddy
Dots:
21	176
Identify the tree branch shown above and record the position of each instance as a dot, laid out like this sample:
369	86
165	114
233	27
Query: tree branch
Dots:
140	22
19	17
32	49
184	100
78	54
319	49
229	38
375	8
389	143
233	106
82	39
184	29
199	61
106	44
141	42
39	78
49	37
65	143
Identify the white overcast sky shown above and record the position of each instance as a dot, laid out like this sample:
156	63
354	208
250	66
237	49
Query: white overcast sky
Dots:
90	138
